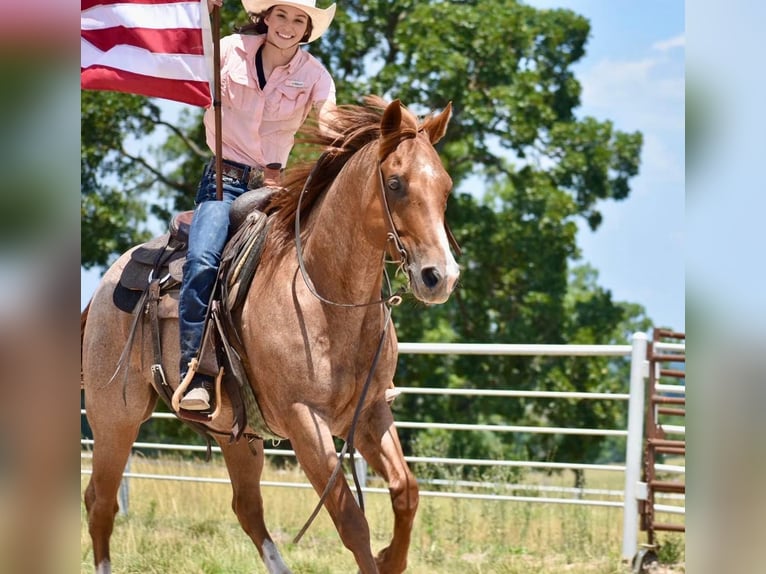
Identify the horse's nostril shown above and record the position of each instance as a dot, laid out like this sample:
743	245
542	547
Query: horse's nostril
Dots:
431	277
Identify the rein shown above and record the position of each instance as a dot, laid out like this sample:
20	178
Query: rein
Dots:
392	300
348	445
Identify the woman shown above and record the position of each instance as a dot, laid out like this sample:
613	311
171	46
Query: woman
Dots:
269	85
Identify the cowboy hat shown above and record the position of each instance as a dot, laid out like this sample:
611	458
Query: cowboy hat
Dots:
320	19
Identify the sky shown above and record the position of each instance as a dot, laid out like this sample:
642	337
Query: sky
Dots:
633	75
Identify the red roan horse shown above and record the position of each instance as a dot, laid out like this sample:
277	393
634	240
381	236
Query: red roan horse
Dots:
380	182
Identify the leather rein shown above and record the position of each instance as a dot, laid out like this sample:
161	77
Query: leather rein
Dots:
392	300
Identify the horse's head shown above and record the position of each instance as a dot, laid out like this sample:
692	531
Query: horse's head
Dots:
415	187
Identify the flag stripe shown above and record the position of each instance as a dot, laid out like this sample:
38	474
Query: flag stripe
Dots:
105	78
159	16
174	41
142	61
86	4
156	48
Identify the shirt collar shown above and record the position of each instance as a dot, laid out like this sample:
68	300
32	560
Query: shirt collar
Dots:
294	62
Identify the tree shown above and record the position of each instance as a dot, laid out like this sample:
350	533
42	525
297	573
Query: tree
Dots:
534	169
592	319
511	84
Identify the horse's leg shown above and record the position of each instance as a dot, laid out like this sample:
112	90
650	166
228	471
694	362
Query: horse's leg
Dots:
315	450
115	427
245	467
378	442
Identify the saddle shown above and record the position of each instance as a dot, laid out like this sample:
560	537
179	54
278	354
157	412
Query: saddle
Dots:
149	289
163	257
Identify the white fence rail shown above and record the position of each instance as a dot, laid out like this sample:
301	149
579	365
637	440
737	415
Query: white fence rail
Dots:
634	433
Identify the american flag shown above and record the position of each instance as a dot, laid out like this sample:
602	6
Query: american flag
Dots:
157	48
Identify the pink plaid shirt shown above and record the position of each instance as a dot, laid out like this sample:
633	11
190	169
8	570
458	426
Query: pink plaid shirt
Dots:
259	126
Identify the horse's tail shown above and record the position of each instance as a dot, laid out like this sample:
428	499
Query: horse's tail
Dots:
83	320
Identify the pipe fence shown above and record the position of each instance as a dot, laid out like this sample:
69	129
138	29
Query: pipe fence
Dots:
627	499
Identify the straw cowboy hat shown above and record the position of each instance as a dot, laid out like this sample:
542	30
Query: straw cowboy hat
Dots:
320	19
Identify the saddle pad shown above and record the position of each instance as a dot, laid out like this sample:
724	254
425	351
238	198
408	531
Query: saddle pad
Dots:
138	270
125	299
148	252
241	258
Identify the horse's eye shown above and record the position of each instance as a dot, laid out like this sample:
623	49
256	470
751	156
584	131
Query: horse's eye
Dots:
394	184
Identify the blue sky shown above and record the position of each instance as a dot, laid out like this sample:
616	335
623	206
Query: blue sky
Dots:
633	75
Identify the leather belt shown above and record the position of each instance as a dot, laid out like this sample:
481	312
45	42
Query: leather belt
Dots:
248	176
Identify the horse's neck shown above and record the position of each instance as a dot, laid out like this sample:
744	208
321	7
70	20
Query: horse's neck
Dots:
344	248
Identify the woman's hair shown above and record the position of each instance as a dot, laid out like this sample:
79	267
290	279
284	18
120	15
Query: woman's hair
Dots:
258	26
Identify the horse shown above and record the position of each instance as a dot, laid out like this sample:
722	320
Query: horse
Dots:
313	324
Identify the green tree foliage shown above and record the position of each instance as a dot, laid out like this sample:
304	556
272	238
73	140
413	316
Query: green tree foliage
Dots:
528	171
107	211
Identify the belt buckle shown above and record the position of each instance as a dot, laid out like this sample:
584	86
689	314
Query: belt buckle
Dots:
255	180
232	171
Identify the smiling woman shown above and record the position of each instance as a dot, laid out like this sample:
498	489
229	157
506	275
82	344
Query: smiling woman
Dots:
302	12
287	24
269	86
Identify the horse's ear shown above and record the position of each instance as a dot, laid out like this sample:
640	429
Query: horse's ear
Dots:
392	119
436	127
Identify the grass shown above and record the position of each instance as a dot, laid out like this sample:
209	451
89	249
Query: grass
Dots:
189	527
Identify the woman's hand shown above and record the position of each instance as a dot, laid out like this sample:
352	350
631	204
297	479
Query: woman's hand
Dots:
212	3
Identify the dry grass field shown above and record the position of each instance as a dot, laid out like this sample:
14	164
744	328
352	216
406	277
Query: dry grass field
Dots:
189	527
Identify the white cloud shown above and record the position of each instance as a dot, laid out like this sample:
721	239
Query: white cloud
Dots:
608	83
641	94
645	95
675	42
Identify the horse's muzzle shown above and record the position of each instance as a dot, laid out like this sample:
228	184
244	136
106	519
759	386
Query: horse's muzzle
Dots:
434	283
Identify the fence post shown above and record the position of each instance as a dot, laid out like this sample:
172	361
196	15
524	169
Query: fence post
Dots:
124	492
361	473
633	449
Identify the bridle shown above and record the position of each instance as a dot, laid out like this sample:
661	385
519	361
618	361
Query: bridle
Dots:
392	235
388	302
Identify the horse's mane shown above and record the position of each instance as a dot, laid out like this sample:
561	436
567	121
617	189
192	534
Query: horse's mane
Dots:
354	127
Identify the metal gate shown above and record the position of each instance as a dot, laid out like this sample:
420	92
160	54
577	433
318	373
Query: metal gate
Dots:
664	423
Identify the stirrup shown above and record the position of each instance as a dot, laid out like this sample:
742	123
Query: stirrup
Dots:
199	416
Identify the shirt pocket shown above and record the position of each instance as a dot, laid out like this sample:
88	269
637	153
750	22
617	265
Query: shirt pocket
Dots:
287	103
238	89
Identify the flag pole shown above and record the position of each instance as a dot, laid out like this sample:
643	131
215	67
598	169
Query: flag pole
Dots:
217	101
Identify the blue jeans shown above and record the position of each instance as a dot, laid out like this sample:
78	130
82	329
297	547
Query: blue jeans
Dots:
207	238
